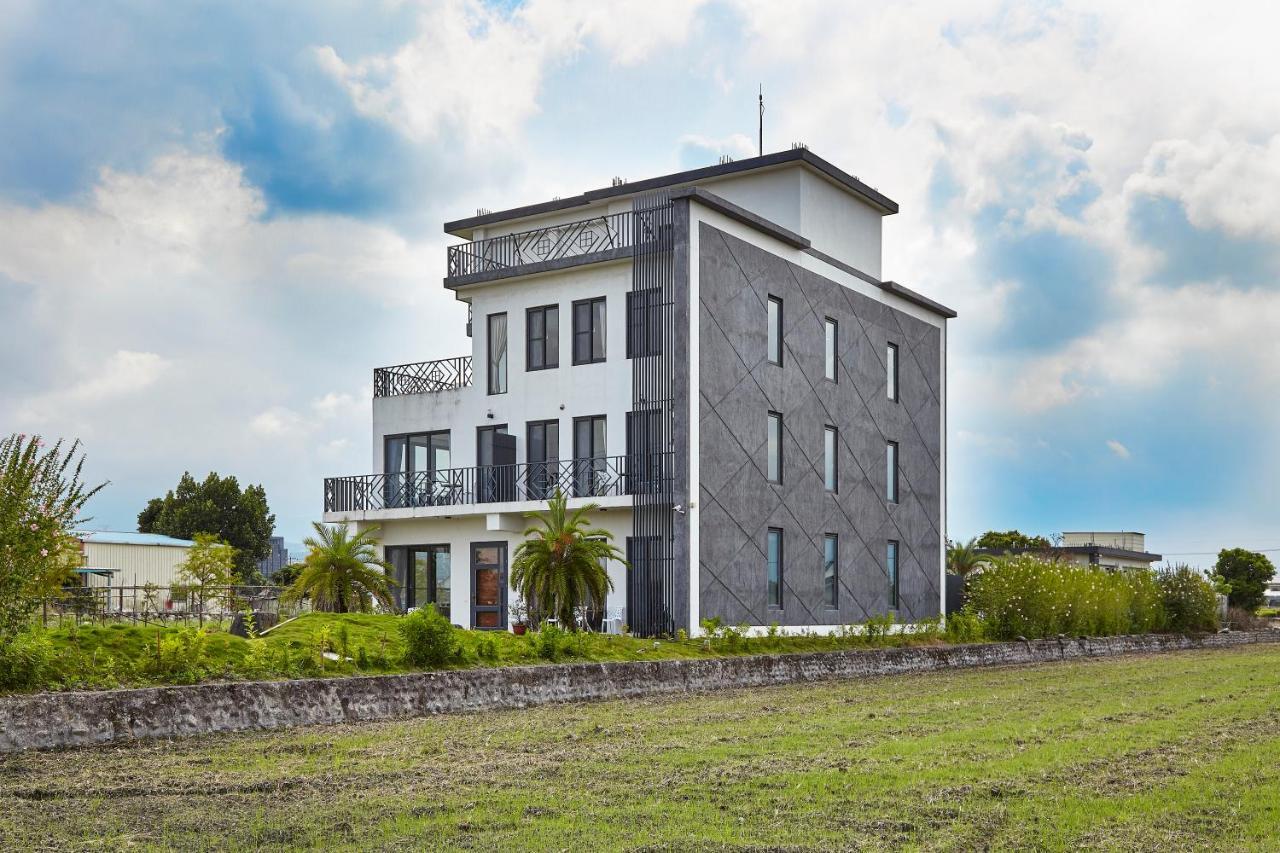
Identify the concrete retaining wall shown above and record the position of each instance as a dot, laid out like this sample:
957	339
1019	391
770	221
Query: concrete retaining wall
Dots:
48	720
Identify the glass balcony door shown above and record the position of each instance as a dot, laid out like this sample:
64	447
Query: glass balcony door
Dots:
414	466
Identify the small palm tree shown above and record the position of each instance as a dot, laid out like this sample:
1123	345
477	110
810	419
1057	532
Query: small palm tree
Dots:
342	573
963	557
560	564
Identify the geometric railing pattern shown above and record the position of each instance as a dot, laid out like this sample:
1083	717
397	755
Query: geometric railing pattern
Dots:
424	377
571	239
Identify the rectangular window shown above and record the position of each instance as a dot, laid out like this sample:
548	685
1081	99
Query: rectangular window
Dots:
775	330
774	554
891	365
421	575
417	470
588	330
495	464
832	339
891	566
497	331
542	332
544	458
646	463
831	448
644	322
831	570
773	465
891	471
590	466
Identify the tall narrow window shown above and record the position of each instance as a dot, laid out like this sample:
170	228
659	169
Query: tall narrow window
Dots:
831	570
891	365
891	566
832	338
497	353
542	332
590	467
774	567
420	575
588	331
831	445
773	449
543	449
775	330
891	472
644	322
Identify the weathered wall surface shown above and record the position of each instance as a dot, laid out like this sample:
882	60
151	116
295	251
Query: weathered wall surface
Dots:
48	720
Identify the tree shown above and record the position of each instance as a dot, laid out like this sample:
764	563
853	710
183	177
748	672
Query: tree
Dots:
286	575
1012	540
1248	573
963	558
41	498
342	573
560	564
216	506
210	564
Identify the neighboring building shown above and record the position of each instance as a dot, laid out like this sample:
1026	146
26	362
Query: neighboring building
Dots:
126	559
710	356
1271	595
276	560
1111	550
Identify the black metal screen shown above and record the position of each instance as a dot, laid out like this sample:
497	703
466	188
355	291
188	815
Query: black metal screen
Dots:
651	330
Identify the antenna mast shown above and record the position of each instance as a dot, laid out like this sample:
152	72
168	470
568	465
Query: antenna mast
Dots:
761	119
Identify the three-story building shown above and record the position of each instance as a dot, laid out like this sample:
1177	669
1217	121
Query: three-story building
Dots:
713	358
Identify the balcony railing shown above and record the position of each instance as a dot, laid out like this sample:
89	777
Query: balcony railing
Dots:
596	477
552	243
425	377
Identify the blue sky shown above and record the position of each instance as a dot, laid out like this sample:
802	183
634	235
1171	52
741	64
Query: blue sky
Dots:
216	219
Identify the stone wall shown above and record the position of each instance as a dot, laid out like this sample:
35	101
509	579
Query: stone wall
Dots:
49	720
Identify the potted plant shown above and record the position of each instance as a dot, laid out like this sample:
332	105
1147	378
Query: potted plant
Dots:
519	617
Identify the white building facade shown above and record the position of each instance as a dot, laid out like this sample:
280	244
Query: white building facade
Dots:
710	357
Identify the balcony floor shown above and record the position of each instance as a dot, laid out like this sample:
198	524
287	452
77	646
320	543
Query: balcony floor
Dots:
470	509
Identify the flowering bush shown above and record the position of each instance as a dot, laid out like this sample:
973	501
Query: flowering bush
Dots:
1189	599
41	497
1028	596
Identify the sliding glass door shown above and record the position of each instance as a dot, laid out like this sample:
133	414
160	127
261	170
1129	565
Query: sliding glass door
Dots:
415	467
421	575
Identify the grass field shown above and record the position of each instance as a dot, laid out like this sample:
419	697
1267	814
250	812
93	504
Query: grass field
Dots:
1180	751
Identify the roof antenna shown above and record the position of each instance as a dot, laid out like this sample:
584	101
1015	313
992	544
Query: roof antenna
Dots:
761	119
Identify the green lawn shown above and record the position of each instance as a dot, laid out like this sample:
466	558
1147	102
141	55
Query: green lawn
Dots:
1171	752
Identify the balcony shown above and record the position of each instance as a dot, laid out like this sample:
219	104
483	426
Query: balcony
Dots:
425	377
606	476
600	238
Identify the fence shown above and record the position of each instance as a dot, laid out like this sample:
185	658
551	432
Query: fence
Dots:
150	604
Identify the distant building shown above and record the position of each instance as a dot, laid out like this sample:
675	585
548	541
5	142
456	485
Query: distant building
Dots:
276	560
1111	550
121	558
1271	595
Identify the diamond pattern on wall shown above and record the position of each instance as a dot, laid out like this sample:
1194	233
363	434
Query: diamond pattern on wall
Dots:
739	387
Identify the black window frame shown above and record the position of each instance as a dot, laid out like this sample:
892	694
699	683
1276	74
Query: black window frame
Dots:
586	468
831	459
774	597
644	322
893	356
544	473
892	557
410	487
781	324
409	588
491	374
590	332
831	327
893	464
831	585
547	348
771	417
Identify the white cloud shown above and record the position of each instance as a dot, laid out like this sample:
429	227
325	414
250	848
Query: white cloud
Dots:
1117	448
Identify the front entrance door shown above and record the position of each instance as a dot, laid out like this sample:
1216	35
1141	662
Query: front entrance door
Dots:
489	585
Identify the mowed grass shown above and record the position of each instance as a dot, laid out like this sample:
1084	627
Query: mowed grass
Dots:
1169	752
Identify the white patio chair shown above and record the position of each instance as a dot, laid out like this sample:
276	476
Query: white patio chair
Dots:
614	620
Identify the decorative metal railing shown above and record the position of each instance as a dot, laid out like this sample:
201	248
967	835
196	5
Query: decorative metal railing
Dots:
425	377
595	477
568	240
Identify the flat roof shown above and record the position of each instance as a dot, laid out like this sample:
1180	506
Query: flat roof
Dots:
863	192
125	537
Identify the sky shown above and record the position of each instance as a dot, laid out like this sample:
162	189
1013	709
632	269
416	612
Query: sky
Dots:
217	218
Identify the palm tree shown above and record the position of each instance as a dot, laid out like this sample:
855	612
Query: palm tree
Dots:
342	573
963	557
560	564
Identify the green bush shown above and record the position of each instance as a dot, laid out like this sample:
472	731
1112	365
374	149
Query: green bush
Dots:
1028	596
1189	599
964	627
181	656
26	661
550	642
428	638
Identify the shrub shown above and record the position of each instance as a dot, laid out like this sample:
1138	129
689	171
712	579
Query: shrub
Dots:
549	642
26	661
878	628
964	627
1190	602
181	656
428	638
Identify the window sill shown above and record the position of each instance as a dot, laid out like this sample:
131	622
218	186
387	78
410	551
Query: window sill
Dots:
592	361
